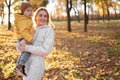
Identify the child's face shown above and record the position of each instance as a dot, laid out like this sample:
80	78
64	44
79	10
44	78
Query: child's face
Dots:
28	12
41	18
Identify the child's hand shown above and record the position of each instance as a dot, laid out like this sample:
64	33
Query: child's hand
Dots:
31	41
20	48
23	42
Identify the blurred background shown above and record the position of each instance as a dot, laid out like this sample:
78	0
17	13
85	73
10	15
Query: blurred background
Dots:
62	10
87	39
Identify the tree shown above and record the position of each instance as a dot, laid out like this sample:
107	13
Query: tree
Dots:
38	3
76	10
68	8
85	17
104	5
97	11
2	12
8	3
114	6
108	4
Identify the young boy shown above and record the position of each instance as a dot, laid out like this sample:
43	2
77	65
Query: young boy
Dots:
24	30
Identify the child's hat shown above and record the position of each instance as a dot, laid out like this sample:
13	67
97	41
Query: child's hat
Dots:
24	6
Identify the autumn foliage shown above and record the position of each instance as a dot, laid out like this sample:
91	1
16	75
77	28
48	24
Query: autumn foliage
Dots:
79	55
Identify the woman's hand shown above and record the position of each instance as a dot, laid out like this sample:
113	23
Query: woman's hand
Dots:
20	47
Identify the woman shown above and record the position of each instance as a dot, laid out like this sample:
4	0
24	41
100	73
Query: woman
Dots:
42	46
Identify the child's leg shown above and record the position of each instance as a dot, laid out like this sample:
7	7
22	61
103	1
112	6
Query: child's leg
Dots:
21	61
18	59
24	57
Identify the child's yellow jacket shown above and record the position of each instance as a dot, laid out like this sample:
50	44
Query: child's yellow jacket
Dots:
24	27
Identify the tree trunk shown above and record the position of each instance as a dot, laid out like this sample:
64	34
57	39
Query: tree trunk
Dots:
116	17
108	12
103	11
78	16
68	21
2	14
8	5
85	17
68	3
98	16
9	23
2	17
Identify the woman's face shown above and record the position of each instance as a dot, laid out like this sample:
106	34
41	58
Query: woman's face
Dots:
41	18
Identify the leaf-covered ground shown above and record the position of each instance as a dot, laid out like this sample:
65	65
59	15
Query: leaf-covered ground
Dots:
79	55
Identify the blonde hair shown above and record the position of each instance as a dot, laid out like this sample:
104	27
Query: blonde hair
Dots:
37	11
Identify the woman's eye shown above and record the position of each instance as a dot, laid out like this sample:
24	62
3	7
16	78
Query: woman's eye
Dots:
45	15
29	10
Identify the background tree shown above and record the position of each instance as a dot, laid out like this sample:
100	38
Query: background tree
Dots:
98	9
114	6
8	3
85	17
2	12
38	3
108	5
68	9
75	4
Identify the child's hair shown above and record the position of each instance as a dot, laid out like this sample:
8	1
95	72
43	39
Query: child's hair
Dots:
24	6
38	10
